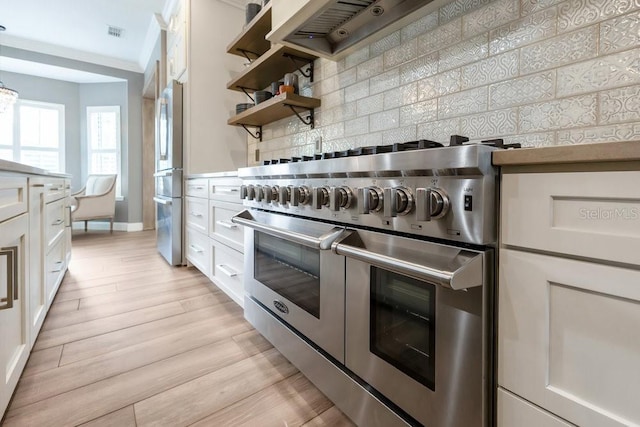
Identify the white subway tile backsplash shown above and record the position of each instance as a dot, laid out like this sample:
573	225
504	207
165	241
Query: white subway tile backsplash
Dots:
385	81
421	26
401	54
419	68
370	68
579	13
357	126
385	120
464	53
488	125
443	36
619	69
492	15
459	8
384	44
559	114
620	33
357	57
439	85
528	89
532	28
370	105
420	112
531	6
493	69
356	91
620	105
559	50
400	135
612	133
462	103
534	72
439	130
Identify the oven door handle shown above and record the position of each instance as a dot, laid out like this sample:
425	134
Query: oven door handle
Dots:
468	275
323	242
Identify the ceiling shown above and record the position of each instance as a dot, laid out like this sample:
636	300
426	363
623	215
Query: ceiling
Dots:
78	29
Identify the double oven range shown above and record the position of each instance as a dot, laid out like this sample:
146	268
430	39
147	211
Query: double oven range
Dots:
372	271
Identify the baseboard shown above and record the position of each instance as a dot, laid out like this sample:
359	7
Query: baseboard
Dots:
101	225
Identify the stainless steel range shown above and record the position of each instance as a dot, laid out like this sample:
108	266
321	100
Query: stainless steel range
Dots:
371	270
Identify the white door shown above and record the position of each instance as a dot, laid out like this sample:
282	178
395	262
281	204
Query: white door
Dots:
568	337
14	323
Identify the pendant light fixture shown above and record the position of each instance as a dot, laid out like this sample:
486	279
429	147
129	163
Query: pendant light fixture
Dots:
7	96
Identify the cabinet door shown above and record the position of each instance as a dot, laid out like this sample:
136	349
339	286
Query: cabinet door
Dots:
516	412
37	294
14	329
568	337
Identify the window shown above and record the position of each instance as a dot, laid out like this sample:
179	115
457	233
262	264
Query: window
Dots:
103	142
33	133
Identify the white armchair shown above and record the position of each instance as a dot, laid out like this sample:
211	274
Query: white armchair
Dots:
97	200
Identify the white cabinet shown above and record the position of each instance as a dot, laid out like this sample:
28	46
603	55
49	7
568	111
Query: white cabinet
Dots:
177	42
516	412
214	245
37	285
14	317
569	297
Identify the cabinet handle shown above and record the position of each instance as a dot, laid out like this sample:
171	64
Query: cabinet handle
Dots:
196	249
57	222
197	215
227	190
225	224
196	187
12	276
68	208
59	269
227	270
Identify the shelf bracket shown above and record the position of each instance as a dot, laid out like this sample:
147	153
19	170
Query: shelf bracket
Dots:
257	135
296	59
244	89
246	53
309	121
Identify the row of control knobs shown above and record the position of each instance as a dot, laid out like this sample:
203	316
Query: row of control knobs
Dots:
429	203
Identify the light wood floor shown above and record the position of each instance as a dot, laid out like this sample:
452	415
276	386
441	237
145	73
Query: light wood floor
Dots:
130	341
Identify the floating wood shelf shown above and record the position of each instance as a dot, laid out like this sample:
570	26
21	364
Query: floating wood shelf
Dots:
274	109
271	67
251	43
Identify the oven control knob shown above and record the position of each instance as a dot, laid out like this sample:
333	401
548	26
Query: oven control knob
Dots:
285	195
243	192
431	203
369	199
303	195
320	197
266	189
398	201
340	197
259	193
275	193
251	192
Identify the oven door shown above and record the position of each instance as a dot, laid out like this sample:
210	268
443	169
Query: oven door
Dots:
291	271
416	326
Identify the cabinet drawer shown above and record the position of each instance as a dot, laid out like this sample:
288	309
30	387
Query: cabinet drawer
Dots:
222	228
516	412
227	270
568	337
225	189
55	266
198	250
197	214
54	222
567	212
13	197
197	187
55	189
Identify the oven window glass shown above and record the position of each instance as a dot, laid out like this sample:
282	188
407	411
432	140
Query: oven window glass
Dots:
290	269
403	324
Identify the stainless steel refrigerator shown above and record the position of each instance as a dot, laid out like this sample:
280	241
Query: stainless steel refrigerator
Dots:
168	175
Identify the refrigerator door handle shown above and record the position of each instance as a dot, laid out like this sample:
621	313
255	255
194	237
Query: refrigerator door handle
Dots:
162	201
161	174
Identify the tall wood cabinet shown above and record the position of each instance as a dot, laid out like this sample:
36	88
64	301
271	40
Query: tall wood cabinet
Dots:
569	299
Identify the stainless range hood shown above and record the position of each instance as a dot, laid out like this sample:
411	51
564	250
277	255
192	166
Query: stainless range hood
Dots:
335	28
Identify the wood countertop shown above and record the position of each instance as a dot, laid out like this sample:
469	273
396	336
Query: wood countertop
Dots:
628	151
